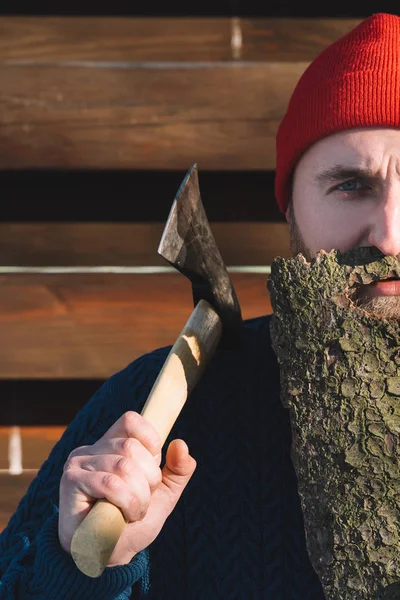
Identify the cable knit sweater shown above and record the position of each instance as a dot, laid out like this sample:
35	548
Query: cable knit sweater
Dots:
236	532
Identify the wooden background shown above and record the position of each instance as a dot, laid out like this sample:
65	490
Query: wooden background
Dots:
101	115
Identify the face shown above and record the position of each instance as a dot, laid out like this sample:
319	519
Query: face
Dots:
345	194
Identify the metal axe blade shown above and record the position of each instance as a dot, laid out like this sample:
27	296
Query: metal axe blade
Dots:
188	244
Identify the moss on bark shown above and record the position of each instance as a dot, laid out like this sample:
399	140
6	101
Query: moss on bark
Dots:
340	379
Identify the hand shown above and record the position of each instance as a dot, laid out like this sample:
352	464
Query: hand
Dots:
123	466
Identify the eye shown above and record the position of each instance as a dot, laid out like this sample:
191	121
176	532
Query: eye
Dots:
353	185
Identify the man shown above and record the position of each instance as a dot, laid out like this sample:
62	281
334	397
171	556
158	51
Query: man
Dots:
236	531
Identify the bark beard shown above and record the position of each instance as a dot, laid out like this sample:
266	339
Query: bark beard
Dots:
340	380
388	306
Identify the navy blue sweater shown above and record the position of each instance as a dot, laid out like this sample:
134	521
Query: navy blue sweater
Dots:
236	532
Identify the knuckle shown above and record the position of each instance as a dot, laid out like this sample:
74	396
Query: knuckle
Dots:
70	477
123	465
130	418
111	482
128	446
71	464
76	452
134	422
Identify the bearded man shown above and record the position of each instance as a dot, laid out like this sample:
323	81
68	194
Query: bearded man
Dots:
237	531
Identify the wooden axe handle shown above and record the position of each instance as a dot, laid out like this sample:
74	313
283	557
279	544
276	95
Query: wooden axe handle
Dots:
96	537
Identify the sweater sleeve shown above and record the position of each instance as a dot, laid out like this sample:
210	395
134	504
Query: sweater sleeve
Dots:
32	563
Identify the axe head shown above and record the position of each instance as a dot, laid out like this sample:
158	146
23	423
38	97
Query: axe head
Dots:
188	244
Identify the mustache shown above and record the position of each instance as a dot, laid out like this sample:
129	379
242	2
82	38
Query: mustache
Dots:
364	255
368	264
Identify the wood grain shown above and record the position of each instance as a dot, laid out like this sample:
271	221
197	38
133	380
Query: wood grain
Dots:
150	93
124	39
130	244
223	118
36	444
4	439
90	326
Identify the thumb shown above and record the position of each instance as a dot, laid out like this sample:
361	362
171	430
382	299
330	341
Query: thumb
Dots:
178	469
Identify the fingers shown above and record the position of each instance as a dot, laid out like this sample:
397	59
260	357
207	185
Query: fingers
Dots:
131	494
121	470
133	425
126	473
129	447
130	483
130	470
123	467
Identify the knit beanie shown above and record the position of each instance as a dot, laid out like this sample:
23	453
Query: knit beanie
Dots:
354	82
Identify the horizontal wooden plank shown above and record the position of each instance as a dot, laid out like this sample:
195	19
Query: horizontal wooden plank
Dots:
4	447
32	445
150	93
131	244
13	487
114	39
124	195
80	326
223	118
124	39
30	448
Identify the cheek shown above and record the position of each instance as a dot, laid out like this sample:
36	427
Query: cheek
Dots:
324	228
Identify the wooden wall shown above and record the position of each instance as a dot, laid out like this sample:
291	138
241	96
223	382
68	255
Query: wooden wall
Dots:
101	115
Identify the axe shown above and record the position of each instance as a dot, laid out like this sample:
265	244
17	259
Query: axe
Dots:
188	244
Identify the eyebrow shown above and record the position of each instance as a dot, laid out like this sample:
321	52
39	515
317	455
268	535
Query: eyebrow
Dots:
340	172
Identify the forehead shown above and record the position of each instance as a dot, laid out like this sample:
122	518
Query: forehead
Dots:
366	148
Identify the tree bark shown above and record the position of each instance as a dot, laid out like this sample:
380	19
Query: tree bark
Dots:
340	380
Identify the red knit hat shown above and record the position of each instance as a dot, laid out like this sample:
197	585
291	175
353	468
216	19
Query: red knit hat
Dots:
355	82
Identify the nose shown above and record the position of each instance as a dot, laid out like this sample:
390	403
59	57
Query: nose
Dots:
385	223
